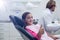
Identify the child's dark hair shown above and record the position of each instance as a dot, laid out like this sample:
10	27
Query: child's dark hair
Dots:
24	15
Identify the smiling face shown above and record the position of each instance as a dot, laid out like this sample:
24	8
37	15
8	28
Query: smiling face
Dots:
29	19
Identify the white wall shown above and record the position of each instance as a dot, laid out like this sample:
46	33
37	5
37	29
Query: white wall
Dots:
57	11
12	5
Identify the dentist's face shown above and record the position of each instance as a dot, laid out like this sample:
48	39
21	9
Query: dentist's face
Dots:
29	19
53	8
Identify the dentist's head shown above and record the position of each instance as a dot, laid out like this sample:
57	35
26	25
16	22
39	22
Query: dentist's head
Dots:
51	5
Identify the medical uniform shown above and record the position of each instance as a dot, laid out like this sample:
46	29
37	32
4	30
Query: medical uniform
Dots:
48	18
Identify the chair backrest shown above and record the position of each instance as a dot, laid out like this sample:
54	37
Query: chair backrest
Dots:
26	34
18	23
12	18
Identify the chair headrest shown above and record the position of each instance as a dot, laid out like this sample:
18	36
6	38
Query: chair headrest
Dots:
20	21
12	18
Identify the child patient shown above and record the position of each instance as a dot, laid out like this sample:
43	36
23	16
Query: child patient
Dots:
36	30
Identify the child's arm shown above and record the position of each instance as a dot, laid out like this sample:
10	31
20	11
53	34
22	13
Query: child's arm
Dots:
41	31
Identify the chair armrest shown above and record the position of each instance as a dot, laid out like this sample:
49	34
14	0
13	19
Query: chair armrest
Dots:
19	28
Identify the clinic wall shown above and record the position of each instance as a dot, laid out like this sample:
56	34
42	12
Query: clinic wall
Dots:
38	12
10	7
57	11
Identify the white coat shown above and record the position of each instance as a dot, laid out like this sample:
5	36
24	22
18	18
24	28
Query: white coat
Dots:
48	18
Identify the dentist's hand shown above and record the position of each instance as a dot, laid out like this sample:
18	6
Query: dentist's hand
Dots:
55	38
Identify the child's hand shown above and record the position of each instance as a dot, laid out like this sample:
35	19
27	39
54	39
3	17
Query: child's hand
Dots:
41	30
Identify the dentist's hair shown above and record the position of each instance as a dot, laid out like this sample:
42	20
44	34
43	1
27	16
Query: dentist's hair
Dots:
50	4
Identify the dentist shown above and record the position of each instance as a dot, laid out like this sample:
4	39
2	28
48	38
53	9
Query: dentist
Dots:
48	17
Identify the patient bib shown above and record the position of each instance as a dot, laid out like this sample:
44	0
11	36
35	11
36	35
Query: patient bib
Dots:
34	28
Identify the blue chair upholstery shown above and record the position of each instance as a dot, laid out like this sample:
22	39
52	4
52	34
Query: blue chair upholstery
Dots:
19	25
20	22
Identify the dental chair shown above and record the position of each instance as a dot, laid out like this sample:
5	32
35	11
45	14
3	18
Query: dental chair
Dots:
20	26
